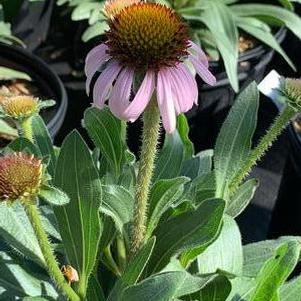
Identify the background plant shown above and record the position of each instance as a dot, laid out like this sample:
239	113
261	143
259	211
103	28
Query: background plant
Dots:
218	24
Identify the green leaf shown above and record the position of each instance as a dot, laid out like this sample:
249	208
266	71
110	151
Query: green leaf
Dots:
191	283
234	140
170	158
275	272
162	196
220	20
257	29
118	203
106	132
217	290
183	129
284	16
187	231
83	11
43	142
133	270
205	187
10	74
79	221
225	253
22	144
7	130
198	165
256	254
242	197
21	282
94	30
290	291
161	287
95	291
53	196
17	231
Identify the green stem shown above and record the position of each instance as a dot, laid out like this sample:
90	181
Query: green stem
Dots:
265	143
121	252
110	262
26	129
151	131
51	263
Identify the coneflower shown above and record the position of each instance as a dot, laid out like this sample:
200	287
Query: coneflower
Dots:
150	42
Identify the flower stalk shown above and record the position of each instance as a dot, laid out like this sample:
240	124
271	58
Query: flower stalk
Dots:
35	220
265	143
151	132
52	265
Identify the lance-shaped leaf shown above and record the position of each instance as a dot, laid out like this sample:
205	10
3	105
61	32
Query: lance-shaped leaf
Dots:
21	282
161	287
242	197
17	231
170	158
162	196
43	141
275	271
106	132
187	231
225	253
290	291
79	221
234	140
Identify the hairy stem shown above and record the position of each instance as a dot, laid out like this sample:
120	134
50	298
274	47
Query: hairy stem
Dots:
265	143
150	136
51	263
26	129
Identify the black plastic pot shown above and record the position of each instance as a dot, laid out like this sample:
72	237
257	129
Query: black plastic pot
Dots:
286	218
45	79
215	102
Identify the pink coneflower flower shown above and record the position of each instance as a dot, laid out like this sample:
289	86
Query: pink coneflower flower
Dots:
150	42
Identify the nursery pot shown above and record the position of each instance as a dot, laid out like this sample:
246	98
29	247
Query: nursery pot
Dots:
287	213
215	102
43	78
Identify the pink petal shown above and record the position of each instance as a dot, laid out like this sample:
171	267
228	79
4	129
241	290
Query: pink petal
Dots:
94	60
202	71
121	93
142	98
197	51
183	92
165	101
104	83
192	85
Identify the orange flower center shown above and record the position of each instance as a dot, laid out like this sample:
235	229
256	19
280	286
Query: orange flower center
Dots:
147	36
20	176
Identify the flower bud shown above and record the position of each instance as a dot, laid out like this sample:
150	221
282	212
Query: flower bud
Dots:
18	107
291	89
20	177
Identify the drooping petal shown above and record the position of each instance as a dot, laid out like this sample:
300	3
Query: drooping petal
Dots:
121	92
94	60
165	101
142	98
192	84
104	83
182	90
197	51
202	71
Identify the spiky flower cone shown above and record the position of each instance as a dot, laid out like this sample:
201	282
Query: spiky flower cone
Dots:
18	107
114	7
20	176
